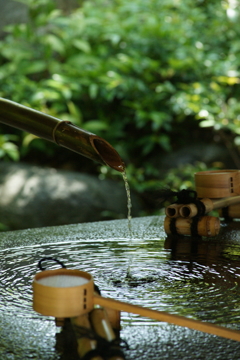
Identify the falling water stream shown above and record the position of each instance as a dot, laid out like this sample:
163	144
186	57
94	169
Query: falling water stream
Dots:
129	202
129	218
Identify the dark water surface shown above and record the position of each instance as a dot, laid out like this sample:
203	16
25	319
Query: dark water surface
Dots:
196	278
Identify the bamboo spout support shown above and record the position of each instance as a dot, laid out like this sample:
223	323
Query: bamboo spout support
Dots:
63	133
191	210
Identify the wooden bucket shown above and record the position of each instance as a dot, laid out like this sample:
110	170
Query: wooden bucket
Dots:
63	293
217	184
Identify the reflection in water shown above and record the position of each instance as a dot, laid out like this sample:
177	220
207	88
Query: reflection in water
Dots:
213	279
198	278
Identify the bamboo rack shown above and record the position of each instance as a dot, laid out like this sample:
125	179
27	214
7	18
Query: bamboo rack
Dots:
63	133
214	190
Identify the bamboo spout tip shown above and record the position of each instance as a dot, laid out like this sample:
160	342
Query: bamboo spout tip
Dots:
108	154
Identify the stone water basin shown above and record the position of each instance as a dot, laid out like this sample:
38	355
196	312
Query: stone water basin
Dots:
196	278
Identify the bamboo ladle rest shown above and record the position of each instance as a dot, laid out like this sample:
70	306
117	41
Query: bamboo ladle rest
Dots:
215	189
65	293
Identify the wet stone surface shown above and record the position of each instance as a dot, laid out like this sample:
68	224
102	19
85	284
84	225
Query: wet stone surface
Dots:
196	278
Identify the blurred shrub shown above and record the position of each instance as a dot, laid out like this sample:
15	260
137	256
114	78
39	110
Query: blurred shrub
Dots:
142	74
7	148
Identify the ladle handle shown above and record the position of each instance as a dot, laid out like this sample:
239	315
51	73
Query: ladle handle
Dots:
205	327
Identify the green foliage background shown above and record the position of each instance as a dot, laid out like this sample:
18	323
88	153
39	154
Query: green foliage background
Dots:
148	76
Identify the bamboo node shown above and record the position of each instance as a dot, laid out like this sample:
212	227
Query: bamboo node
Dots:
56	128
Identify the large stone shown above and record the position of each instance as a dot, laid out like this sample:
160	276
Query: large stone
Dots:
14	12
191	154
35	197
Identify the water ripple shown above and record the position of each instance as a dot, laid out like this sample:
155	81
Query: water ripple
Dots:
194	279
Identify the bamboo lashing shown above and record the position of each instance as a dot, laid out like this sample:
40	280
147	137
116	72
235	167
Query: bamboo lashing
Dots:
44	294
63	133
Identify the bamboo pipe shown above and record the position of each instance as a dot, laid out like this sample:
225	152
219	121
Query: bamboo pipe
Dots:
191	210
63	133
85	344
208	226
205	327
114	317
172	211
102	326
232	211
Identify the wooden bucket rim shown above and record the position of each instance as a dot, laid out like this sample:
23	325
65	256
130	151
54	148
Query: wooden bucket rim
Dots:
217	172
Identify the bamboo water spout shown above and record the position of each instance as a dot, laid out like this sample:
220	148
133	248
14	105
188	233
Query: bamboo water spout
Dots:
63	133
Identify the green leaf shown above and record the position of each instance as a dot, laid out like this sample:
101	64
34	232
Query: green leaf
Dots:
35	67
11	150
93	90
81	45
55	43
207	123
95	126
